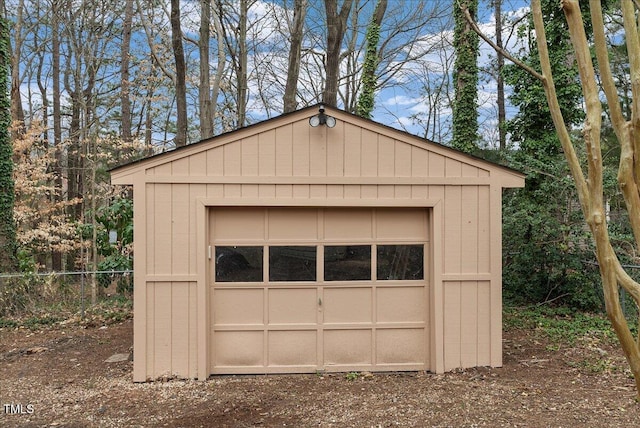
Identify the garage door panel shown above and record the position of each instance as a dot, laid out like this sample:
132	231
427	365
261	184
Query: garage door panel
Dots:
238	306
293	348
347	347
400	304
238	348
348	224
403	224
237	224
292	224
400	346
293	306
347	305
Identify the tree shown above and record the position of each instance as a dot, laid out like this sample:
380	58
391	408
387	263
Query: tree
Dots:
371	59
204	90
57	196
17	112
465	78
42	223
125	99
293	70
8	246
236	32
547	254
336	26
181	71
502	133
590	182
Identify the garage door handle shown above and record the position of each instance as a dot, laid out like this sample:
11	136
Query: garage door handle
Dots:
319	302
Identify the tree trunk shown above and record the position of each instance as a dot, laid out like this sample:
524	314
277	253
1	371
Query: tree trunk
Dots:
502	132
369	82
56	256
222	58
181	70
8	244
242	64
465	78
125	99
17	113
336	26
204	90
293	70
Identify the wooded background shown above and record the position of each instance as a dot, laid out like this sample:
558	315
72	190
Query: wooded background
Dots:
96	84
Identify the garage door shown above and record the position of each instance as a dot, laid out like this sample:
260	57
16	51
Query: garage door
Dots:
301	289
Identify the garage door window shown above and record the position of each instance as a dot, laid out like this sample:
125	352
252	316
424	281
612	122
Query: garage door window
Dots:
292	263
341	263
400	262
347	263
239	264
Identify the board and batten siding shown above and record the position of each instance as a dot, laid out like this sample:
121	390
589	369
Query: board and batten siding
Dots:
286	162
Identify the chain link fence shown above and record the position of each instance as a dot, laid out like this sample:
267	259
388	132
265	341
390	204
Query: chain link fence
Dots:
69	293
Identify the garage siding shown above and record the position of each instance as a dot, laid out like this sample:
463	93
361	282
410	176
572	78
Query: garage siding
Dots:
466	251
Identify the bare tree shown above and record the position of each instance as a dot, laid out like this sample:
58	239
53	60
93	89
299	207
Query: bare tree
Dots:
336	26
204	90
236	31
502	115
222	59
17	113
180	74
125	99
293	70
56	257
208	91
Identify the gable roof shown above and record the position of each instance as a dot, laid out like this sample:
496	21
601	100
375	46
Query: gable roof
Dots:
356	137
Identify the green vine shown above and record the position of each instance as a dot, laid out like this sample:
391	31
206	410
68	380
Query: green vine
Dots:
8	245
465	78
366	100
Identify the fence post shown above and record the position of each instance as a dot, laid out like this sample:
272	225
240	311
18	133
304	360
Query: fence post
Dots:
82	295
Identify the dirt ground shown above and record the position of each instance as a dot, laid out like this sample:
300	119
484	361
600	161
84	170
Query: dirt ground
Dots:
58	377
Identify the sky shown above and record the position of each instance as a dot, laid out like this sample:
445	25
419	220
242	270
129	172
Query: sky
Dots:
403	104
397	108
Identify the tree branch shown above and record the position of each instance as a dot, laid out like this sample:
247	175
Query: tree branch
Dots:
503	52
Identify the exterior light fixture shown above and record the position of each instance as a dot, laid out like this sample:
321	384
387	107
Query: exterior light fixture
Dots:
322	119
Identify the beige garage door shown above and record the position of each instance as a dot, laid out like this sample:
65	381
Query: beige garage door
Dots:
306	289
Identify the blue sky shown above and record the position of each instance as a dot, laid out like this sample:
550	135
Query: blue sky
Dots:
396	108
399	103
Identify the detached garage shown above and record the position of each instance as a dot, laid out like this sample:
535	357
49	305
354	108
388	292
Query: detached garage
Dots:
298	245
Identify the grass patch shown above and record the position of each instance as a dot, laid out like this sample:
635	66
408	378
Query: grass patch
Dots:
559	324
8	323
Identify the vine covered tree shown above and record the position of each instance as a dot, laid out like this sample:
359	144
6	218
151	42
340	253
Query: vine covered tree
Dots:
371	60
589	176
465	79
8	247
